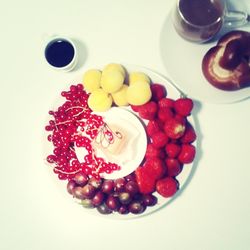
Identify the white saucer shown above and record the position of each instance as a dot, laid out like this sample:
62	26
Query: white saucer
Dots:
182	60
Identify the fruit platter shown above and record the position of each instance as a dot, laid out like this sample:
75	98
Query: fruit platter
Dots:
121	141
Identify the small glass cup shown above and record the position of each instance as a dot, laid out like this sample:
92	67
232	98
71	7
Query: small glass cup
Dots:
200	20
60	53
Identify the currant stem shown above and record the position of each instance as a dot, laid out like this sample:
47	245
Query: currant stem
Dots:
77	107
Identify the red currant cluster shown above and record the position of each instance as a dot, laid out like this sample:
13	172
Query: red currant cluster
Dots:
74	125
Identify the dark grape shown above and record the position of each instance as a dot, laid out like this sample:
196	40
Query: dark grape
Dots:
112	203
138	197
95	183
107	186
86	203
124	197
132	187
135	207
70	186
130	177
88	191
149	200
123	209
98	199
81	179
78	193
103	209
120	184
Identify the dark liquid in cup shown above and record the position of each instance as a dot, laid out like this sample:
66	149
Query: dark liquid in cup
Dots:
59	53
199	20
200	12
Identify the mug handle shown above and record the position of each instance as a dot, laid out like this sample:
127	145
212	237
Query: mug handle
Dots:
236	18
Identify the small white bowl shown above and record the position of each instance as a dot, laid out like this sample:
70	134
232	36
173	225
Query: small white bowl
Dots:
72	63
136	143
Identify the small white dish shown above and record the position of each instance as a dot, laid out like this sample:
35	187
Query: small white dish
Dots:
135	146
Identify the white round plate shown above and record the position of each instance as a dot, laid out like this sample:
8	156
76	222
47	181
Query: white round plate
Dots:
183	178
182	60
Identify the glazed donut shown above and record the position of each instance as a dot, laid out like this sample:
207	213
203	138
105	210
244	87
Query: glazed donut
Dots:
226	66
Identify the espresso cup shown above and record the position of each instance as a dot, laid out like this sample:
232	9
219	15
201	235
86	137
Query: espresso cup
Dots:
200	20
60	53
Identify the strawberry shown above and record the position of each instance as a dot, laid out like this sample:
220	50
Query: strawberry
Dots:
173	167
189	135
158	91
152	127
135	108
148	110
183	106
187	153
145	182
159	139
166	103
167	186
165	114
155	167
180	118
172	150
152	152
174	128
161	123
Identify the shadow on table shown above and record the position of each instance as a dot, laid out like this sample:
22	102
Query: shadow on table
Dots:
82	53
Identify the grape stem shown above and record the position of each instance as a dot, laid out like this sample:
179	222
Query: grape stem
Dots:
63	172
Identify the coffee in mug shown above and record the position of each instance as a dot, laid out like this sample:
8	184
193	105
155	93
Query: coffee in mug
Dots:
201	20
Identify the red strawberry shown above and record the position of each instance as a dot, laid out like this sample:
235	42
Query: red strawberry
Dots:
161	123
165	114
154	152
145	182
172	150
155	167
148	110
183	106
167	187
135	108
158	91
187	153
173	167
189	135
174	129
152	127
159	139
166	103
180	118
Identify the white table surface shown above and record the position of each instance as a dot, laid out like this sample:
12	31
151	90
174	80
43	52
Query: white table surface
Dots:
213	210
